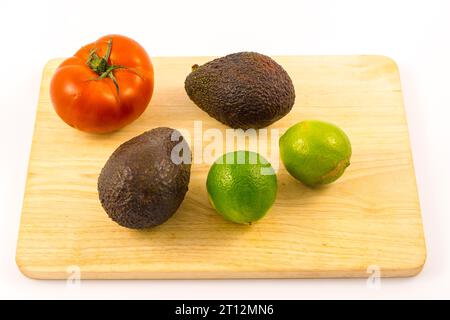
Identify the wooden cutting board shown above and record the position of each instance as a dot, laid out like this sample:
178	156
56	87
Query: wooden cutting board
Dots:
368	222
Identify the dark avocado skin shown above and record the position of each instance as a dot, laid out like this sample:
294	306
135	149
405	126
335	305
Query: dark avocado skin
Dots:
140	186
242	90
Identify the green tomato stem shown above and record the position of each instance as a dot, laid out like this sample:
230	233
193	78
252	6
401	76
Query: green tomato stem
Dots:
102	67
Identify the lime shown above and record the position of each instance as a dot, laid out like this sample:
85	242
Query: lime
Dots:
315	152
242	186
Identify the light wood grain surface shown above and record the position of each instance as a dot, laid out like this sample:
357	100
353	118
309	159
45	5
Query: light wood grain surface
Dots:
370	217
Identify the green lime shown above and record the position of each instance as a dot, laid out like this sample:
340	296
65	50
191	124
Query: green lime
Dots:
315	152
242	186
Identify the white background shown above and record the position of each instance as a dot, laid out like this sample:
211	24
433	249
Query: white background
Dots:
415	33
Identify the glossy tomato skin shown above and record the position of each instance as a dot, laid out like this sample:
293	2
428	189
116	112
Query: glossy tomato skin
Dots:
95	105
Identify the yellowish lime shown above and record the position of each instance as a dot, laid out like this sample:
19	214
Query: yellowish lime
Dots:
315	152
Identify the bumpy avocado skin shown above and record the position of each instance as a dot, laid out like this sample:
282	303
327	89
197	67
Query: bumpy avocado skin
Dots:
140	186
242	90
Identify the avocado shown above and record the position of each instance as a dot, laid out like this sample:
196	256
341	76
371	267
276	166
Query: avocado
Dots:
146	178
242	90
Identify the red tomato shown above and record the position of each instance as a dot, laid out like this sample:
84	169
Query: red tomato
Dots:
104	86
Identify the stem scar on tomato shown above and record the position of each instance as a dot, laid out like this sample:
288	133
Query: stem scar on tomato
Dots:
101	66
